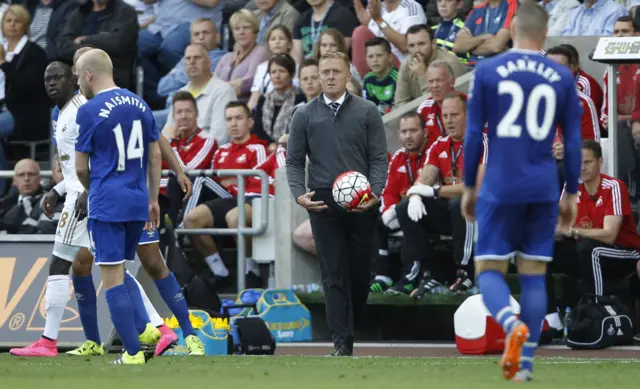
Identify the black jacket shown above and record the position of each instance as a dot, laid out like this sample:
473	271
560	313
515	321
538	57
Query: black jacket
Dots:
25	96
15	220
62	9
118	36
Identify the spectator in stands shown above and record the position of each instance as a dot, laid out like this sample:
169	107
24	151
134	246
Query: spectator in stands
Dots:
61	10
110	25
24	196
309	75
434	17
433	207
593	17
446	30
412	82
240	153
324	14
602	246
559	13
203	32
440	82
380	83
332	39
584	81
272	13
274	110
211	94
193	146
624	26
486	32
590	124
239	67
279	41
146	12
162	43
25	113
41	15
404	168
389	19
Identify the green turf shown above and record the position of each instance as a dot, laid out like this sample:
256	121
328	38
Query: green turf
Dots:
305	373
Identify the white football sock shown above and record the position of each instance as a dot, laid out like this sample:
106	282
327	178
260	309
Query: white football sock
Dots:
553	319
154	317
216	265
56	298
252	266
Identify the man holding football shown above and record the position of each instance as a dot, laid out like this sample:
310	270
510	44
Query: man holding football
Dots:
339	132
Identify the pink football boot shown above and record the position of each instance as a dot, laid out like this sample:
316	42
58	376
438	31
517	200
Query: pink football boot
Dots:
168	340
41	348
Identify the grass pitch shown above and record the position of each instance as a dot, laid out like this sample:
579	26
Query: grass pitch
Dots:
283	372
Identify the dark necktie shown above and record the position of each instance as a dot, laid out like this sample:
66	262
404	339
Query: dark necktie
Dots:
335	107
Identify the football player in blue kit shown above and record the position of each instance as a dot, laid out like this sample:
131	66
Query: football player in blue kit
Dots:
118	138
523	97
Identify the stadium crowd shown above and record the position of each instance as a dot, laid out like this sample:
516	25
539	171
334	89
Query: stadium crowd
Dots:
224	78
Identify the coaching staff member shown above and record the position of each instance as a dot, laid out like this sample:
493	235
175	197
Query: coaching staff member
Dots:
339	132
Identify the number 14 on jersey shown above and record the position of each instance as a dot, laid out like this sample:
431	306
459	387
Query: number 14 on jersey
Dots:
135	145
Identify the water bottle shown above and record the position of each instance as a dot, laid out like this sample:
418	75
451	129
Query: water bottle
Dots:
566	322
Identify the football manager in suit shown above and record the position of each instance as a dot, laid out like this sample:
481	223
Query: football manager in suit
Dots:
339	132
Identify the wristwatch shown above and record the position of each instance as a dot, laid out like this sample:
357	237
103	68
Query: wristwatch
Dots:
383	25
436	190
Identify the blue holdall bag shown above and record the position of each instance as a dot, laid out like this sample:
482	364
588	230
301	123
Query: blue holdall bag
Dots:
214	334
286	317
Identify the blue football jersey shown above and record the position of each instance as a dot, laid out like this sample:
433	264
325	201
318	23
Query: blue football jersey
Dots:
523	97
115	128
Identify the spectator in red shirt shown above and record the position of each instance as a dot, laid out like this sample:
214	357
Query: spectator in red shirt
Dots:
625	26
243	152
193	147
584	81
590	124
603	243
440	81
433	207
404	169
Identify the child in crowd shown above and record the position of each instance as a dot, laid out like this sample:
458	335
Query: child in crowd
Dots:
380	83
278	41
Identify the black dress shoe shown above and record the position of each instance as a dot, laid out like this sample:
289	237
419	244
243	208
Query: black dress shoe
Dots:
341	351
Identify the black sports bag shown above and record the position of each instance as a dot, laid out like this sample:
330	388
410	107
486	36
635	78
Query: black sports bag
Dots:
599	322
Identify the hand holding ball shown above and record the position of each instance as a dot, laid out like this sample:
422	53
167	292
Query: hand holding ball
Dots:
351	189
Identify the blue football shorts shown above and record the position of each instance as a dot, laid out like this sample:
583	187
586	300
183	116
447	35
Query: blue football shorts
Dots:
148	237
113	243
506	230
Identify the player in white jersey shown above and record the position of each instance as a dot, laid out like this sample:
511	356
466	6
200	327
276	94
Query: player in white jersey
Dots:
72	238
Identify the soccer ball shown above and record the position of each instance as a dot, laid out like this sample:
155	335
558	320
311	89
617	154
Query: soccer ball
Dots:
351	189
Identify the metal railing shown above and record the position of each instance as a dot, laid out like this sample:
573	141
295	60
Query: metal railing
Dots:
241	231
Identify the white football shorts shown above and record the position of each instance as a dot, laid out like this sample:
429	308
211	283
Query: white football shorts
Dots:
70	231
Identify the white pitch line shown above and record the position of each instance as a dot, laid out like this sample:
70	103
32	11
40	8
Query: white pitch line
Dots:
426	346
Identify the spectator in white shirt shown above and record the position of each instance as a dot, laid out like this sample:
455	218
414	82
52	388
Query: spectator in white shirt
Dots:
389	19
212	95
278	41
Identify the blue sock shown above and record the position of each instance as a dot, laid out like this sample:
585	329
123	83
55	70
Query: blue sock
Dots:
122	312
495	294
85	292
140	315
172	295
533	306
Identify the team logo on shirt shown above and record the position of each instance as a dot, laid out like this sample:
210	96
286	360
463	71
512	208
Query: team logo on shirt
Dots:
430	118
585	222
242	159
599	202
